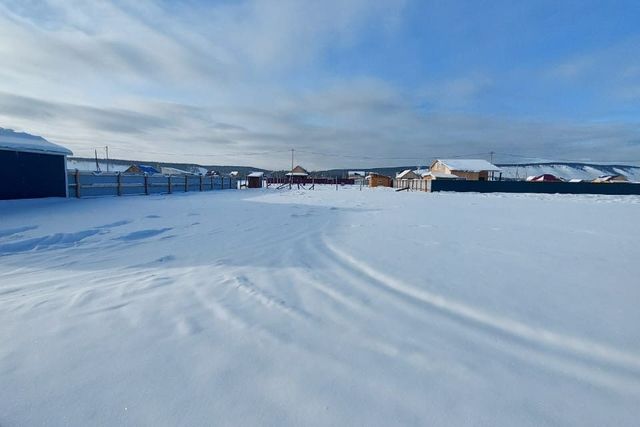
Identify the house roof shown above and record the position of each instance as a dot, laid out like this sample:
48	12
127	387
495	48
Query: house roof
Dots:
256	175
298	171
408	173
175	171
469	165
19	141
146	169
544	177
606	178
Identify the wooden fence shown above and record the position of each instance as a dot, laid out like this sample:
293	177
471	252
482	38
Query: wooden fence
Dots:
90	184
410	184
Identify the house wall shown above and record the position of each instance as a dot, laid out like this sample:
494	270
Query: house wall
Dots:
439	167
32	175
471	176
380	181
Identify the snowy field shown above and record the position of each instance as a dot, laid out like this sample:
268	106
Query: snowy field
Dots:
320	307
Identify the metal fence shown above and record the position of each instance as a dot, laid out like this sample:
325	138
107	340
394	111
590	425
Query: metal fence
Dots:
535	187
90	184
464	186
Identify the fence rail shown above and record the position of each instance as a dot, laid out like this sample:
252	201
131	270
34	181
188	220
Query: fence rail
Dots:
90	184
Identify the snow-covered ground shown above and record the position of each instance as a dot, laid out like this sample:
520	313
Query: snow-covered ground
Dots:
320	307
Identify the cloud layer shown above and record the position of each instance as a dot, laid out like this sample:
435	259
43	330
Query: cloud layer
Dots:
243	82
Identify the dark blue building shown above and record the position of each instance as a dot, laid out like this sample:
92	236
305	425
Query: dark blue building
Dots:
31	166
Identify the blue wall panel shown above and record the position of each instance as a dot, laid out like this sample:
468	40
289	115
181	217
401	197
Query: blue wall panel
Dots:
31	175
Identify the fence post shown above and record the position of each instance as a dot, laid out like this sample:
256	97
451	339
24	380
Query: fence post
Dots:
119	184
169	184
146	184
200	182
77	183
186	183
211	181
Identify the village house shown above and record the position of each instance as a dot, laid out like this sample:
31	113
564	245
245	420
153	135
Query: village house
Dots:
545	177
298	174
140	169
469	169
611	179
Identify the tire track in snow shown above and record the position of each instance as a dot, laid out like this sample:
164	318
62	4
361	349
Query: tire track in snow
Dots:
608	357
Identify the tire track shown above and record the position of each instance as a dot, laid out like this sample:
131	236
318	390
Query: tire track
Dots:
614	368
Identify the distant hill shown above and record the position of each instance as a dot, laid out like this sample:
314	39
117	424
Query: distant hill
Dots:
569	170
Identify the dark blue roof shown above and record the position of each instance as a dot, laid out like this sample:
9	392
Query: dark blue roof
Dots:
148	169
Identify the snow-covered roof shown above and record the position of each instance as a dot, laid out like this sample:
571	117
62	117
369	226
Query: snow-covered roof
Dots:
256	175
408	173
174	171
19	141
469	165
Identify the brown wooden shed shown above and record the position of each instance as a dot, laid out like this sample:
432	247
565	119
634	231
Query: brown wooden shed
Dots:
254	179
377	180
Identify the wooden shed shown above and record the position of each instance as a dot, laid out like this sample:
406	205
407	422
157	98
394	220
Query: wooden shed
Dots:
254	179
378	180
470	169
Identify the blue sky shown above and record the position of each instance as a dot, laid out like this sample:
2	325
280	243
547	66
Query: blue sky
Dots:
348	83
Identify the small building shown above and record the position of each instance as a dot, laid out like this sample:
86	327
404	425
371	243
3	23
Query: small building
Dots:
298	174
545	177
469	169
611	179
356	174
31	167
378	180
254	179
140	169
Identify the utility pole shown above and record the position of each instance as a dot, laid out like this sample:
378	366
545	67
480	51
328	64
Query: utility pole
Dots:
491	153
292	150
291	172
106	149
97	164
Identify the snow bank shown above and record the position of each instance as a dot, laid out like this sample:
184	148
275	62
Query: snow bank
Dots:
320	308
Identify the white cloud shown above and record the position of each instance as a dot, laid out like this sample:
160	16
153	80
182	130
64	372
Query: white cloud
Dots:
202	83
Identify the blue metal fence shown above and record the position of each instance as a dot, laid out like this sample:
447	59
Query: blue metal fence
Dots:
91	184
535	187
